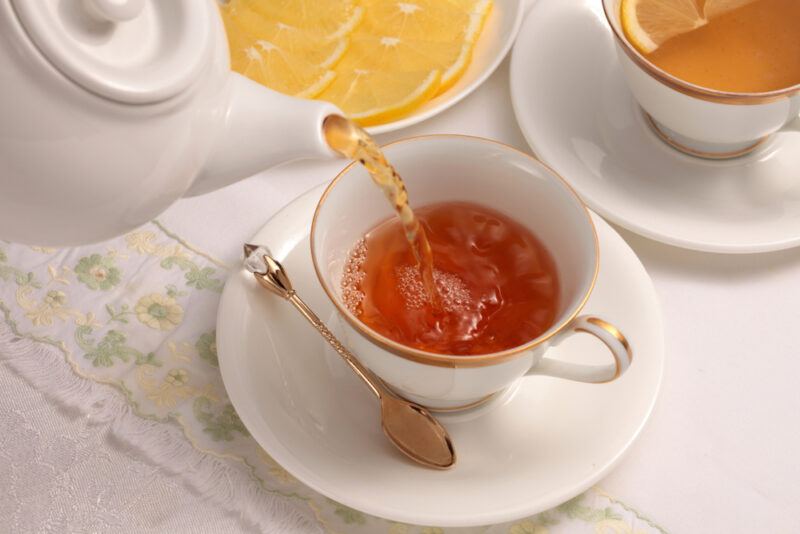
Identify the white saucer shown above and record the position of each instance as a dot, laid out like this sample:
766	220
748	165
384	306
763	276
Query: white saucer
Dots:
493	44
526	451
577	114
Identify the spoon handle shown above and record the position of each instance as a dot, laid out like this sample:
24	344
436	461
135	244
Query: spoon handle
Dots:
346	355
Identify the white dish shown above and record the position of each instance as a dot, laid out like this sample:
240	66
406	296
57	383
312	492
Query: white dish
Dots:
493	44
578	115
528	450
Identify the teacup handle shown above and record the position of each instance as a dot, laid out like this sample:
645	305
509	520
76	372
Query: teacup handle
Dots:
596	374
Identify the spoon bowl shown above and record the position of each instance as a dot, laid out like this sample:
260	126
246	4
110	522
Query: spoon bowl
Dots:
416	433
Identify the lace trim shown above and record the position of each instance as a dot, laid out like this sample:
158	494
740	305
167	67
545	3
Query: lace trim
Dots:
161	443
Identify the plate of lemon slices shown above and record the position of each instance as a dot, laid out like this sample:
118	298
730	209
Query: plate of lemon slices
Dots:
387	64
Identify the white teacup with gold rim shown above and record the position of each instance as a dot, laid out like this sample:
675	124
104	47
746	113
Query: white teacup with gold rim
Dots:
444	168
698	120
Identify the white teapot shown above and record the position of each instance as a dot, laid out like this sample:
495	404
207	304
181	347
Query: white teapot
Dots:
111	110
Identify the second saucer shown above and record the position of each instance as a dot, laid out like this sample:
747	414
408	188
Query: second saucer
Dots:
578	115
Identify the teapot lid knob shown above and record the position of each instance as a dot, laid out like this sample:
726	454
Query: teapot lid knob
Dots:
130	51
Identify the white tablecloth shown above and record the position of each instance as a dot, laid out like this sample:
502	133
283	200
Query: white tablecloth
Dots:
719	454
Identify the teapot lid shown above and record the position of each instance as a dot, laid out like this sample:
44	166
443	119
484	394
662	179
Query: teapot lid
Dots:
132	51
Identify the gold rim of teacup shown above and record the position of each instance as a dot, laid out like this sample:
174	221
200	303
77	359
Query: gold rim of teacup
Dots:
449	360
690	89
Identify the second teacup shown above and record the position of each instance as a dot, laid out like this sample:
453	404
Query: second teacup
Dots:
697	120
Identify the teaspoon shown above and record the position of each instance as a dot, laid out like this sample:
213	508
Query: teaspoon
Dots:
410	427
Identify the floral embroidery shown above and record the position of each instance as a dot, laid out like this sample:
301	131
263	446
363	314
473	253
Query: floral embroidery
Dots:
615	526
52	306
207	347
43	250
275	469
85	319
574	509
199	278
528	526
110	347
55	277
98	272
55	299
21	278
180	352
118	316
221	426
177	377
348	515
141	242
167	391
159	311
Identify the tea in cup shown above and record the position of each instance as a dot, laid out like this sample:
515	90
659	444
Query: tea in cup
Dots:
515	256
716	78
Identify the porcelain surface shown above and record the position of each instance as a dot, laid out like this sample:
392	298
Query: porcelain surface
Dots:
540	443
580	117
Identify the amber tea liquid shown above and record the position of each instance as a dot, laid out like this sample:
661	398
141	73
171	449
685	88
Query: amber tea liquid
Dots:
751	49
497	283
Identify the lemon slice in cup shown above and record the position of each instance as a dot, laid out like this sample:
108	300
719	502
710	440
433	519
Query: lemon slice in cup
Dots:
649	23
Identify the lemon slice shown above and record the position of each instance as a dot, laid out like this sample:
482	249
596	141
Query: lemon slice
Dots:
430	20
418	35
330	18
268	64
649	23
372	52
715	8
313	47
374	96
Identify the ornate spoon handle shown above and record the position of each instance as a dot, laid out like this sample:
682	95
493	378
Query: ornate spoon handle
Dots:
348	357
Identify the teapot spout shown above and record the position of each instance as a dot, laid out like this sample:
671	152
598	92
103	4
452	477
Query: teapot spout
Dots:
263	128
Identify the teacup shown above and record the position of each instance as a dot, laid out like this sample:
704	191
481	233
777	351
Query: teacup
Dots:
460	168
700	121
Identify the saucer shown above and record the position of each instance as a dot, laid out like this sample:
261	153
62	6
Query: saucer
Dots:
577	114
494	42
532	447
